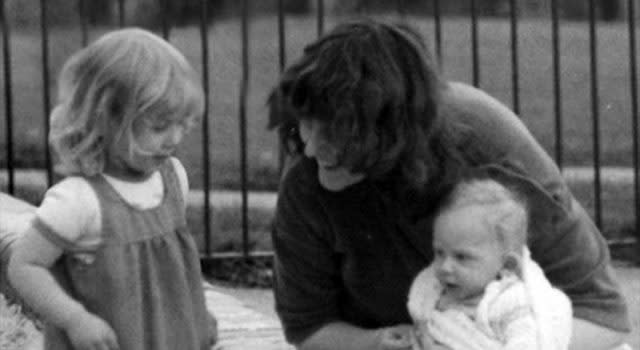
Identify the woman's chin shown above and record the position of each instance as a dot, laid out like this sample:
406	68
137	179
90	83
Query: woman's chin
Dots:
337	179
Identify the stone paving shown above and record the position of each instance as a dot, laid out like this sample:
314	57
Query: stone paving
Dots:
239	327
242	328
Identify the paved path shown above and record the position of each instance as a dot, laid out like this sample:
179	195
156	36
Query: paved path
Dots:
242	328
239	327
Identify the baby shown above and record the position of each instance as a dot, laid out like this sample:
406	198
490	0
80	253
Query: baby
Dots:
484	280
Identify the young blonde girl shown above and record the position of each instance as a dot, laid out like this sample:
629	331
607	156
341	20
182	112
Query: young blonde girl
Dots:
108	261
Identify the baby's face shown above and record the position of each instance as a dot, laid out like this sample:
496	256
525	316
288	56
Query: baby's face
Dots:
467	253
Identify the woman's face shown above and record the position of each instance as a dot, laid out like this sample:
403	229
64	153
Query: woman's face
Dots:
331	175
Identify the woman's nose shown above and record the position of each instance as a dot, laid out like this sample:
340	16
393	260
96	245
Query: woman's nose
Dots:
311	147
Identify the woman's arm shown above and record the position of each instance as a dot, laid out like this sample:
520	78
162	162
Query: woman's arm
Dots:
340	335
590	336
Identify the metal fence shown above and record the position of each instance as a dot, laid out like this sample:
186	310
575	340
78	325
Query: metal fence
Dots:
319	13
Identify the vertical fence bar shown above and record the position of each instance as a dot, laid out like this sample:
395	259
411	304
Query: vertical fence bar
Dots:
8	97
515	88
165	19
204	41
84	25
438	30
121	14
243	126
633	71
595	113
401	9
282	61
557	91
474	44
320	20
282	45
44	33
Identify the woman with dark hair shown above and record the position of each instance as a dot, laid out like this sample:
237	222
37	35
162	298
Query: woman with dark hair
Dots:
376	137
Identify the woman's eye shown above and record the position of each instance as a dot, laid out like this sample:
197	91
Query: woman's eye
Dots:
292	131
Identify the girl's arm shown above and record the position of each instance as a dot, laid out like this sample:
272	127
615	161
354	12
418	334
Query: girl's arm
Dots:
29	274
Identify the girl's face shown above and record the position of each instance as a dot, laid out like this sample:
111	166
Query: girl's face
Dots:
155	141
332	176
467	253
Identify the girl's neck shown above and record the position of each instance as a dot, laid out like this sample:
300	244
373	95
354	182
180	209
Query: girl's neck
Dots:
127	174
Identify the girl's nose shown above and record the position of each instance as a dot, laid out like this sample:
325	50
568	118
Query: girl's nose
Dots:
175	136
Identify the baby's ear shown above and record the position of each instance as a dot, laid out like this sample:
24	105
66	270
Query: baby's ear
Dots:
513	263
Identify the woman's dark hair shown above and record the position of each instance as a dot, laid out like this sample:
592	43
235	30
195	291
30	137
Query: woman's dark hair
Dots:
377	88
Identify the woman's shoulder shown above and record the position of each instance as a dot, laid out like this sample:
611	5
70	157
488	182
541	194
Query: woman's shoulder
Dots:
473	105
491	122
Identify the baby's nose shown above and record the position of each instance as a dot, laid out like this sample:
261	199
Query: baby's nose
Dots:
445	267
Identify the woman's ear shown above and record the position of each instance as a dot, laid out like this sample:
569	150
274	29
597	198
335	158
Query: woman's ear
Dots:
513	263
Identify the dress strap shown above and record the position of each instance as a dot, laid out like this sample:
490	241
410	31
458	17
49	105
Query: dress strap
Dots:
173	195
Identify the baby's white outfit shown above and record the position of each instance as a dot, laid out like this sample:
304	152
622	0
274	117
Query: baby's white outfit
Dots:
518	313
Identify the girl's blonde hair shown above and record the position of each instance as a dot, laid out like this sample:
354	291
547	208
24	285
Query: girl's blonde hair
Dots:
125	76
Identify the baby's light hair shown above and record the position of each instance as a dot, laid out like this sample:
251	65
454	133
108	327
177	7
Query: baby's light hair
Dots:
507	211
125	76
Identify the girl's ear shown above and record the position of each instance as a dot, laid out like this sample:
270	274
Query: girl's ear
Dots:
513	263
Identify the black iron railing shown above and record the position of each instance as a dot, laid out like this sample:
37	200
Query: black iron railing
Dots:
437	16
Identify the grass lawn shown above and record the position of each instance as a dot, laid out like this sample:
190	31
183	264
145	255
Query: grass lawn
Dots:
225	75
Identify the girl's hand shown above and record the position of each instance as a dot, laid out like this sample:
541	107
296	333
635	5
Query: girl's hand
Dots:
396	338
213	328
90	332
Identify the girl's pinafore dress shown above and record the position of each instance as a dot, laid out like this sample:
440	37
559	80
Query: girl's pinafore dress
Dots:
144	279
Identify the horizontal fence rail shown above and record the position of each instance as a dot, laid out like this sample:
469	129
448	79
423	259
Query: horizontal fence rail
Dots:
321	12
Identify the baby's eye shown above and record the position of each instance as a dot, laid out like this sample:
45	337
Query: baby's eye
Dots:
462	257
159	127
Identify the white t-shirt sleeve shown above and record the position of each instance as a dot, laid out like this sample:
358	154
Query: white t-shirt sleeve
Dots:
183	179
69	215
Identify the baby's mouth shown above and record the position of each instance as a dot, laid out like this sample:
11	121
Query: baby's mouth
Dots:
449	287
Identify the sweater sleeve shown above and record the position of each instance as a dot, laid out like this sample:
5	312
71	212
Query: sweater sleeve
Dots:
563	239
306	275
